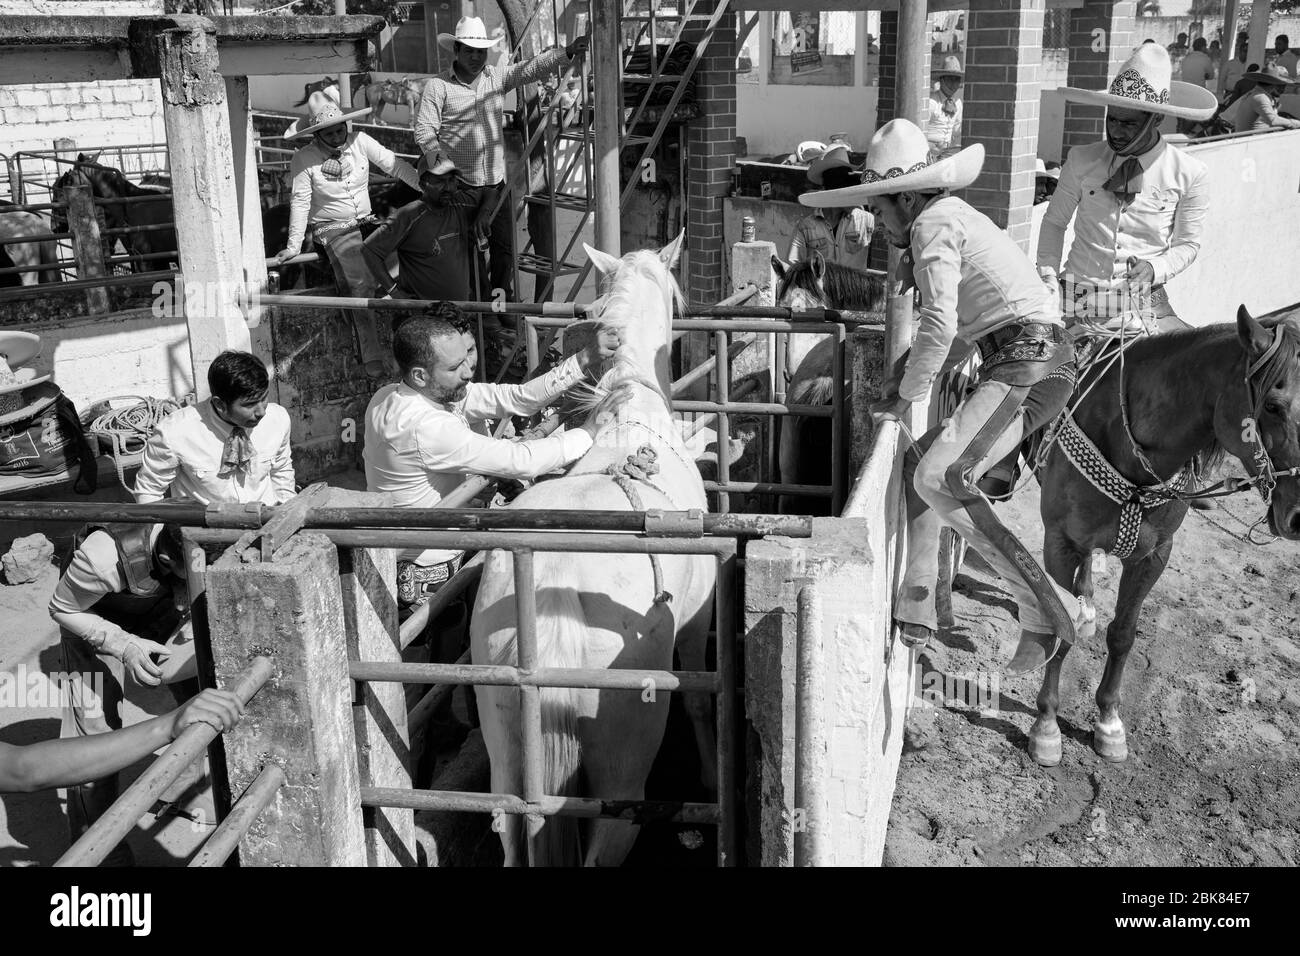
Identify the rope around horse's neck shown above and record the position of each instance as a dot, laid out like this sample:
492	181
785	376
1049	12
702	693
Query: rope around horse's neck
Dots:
641	467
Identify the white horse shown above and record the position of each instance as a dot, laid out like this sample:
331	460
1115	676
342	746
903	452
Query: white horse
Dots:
35	253
602	610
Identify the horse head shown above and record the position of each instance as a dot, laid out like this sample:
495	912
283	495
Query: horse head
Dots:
76	175
636	305
1260	425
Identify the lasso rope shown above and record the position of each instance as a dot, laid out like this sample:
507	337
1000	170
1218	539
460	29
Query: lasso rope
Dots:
641	467
129	428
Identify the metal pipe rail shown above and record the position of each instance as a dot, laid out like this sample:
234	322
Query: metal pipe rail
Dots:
55	288
458	801
497	675
225	839
121	818
647	524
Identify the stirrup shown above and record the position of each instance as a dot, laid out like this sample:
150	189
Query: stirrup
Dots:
914	635
1033	652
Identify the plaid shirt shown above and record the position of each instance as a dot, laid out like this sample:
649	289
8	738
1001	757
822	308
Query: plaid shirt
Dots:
464	121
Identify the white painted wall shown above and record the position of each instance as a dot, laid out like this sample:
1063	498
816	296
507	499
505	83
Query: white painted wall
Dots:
775	119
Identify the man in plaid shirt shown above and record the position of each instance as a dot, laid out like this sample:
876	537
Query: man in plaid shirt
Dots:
460	116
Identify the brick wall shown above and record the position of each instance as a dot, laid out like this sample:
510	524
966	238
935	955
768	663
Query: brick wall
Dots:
711	151
1093	69
1001	105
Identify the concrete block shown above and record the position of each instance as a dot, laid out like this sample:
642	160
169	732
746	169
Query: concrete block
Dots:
20	115
31	96
290	609
145	109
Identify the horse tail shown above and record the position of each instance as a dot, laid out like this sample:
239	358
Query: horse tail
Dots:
815	390
561	636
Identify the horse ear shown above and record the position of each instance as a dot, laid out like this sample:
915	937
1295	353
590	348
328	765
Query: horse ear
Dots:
606	265
818	266
780	268
1254	338
670	253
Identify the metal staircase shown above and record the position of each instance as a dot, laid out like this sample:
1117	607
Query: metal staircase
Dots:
568	169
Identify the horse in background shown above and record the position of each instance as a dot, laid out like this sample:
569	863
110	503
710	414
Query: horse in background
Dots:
379	94
320	86
602	610
804	451
105	182
13	224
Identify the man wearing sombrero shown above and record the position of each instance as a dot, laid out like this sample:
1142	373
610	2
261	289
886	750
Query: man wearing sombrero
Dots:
460	117
1138	203
943	109
978	290
841	234
1257	110
331	200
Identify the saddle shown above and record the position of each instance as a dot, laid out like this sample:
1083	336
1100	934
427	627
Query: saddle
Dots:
1024	354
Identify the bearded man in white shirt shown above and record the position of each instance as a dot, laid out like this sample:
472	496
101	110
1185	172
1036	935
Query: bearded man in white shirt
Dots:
978	290
233	446
1138	203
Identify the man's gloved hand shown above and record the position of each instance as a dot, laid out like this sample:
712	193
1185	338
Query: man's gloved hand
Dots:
578	47
132	651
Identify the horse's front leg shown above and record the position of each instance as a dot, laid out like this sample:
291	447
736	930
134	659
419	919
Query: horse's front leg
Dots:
1063	564
692	650
1108	737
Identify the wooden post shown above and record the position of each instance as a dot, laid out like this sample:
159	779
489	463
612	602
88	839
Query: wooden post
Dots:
910	85
291	610
182	52
434	64
607	64
1258	42
87	246
1228	48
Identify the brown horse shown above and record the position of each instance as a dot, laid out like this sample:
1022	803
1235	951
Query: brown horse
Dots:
1206	392
377	95
105	182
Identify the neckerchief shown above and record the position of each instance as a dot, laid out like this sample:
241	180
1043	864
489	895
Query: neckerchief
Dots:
1126	181
335	168
950	106
236	454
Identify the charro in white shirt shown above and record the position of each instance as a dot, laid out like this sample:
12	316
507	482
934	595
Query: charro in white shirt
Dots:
418	450
184	456
1162	225
943	130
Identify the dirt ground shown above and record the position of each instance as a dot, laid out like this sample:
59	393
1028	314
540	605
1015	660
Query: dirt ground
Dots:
1211	706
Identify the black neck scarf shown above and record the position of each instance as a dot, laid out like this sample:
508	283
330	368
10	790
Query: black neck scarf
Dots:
1126	181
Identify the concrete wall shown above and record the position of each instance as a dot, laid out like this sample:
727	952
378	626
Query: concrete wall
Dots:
774	119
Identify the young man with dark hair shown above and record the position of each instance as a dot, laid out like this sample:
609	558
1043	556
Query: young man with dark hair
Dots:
233	446
120	602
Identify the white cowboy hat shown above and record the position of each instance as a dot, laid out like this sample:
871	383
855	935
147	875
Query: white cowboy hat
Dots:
1144	83
831	157
1040	169
898	160
807	151
17	349
950	66
440	167
469	31
322	113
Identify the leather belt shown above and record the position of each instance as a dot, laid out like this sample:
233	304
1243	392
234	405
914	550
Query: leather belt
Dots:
996	340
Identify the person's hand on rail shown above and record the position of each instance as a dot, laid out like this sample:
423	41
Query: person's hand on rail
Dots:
219	709
890	408
283	256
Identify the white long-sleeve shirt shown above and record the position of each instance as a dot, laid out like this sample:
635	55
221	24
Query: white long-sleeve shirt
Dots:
318	199
973	280
184	456
943	130
418	450
1162	225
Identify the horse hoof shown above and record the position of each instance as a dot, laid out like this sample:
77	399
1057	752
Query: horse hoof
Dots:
1045	747
1111	745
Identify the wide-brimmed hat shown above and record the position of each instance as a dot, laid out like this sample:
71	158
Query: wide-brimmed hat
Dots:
1144	83
807	151
1274	74
831	157
322	113
949	66
469	31
898	160
16	350
1040	169
440	166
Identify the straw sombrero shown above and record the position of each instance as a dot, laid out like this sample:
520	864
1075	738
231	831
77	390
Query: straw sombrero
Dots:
1144	83
831	157
1273	74
16	350
950	66
322	113
897	162
469	31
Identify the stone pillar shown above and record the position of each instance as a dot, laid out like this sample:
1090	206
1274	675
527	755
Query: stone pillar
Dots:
182	52
1003	61
1257	43
248	196
290	609
1101	38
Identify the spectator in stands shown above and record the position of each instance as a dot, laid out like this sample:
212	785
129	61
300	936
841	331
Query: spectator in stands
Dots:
233	446
1216	54
1178	47
460	117
841	234
120	602
1257	110
1286	57
1236	68
331	200
943	110
1138	203
72	762
1198	68
430	236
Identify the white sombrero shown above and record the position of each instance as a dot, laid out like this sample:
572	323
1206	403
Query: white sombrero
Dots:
469	31
16	350
898	160
322	113
950	66
831	157
1144	83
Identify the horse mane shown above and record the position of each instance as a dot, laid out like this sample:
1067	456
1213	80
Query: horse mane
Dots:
845	287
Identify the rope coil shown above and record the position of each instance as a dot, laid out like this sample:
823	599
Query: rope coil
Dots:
128	429
641	467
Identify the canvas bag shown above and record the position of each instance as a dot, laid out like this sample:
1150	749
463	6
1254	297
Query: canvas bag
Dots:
44	438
